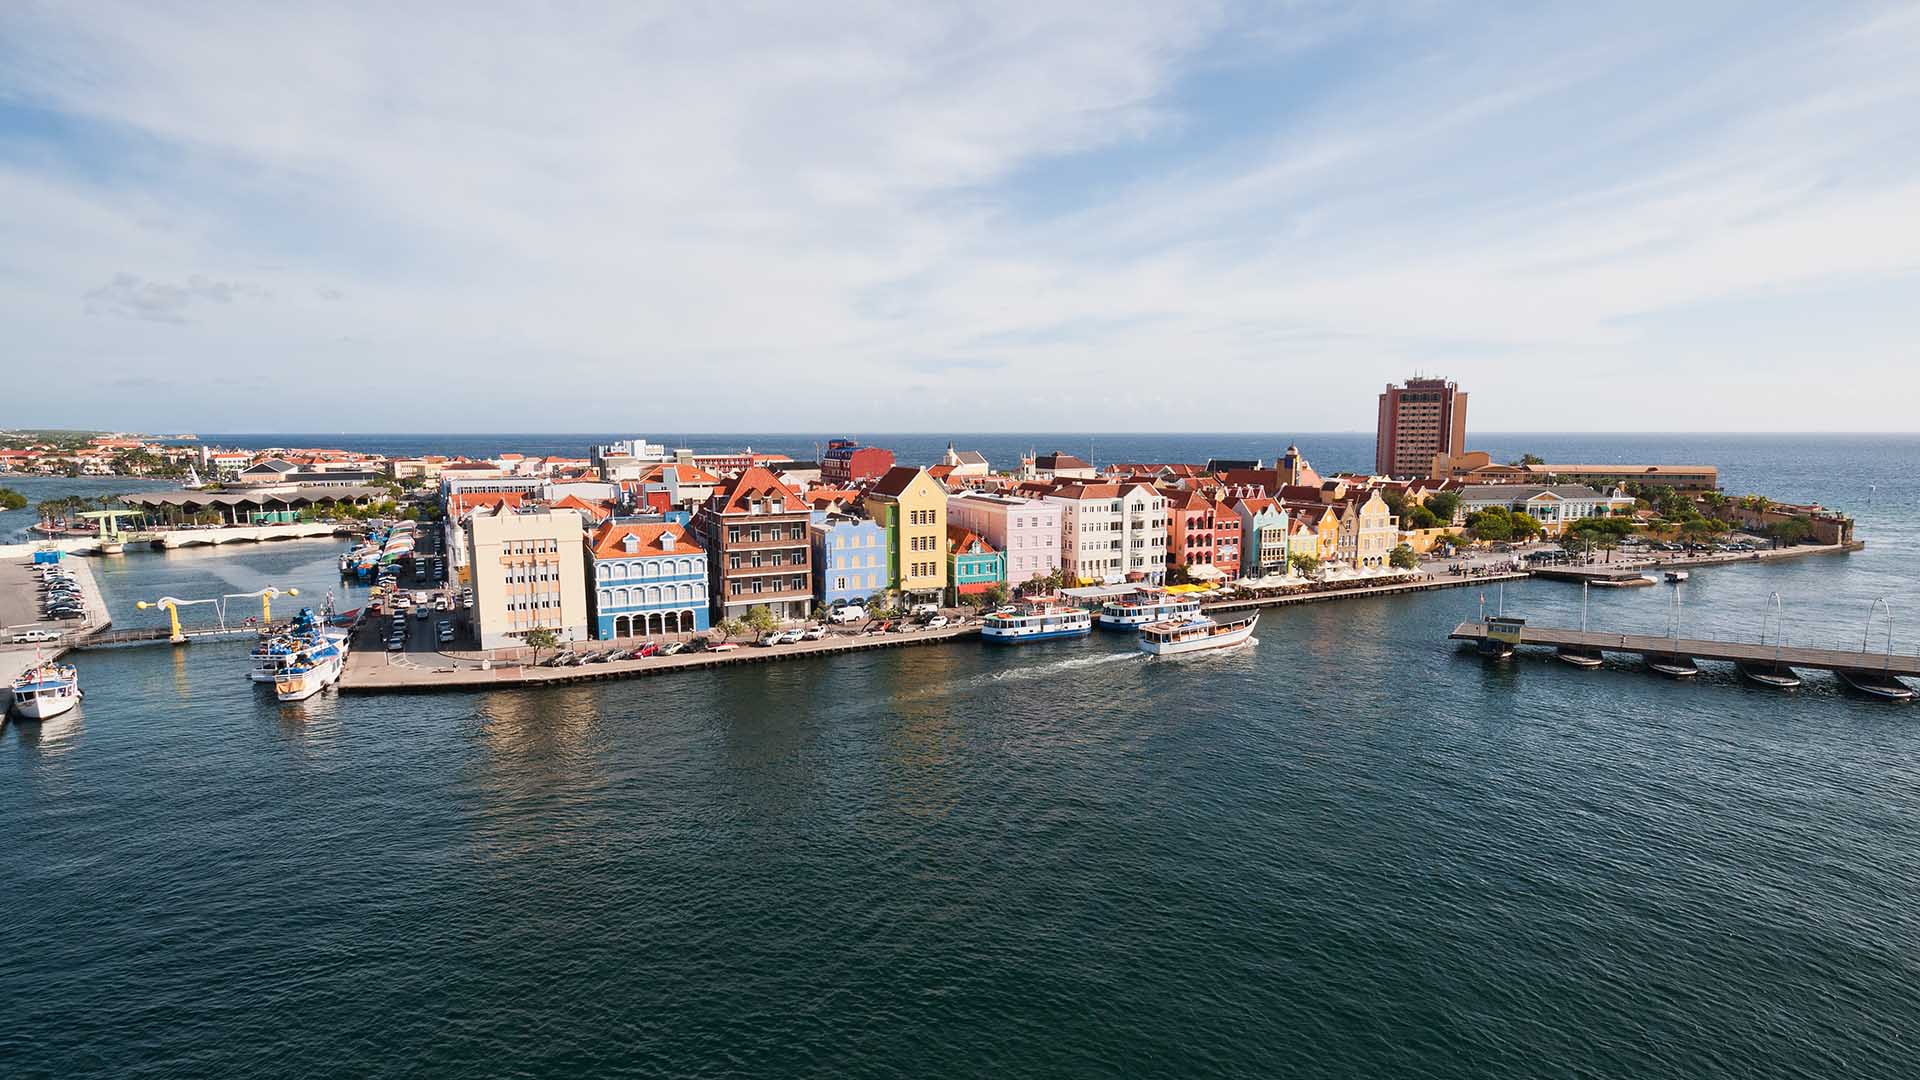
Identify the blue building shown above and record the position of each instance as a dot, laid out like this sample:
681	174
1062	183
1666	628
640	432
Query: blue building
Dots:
849	558
648	580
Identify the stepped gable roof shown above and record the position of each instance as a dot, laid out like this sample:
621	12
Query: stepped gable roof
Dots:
895	481
754	482
609	540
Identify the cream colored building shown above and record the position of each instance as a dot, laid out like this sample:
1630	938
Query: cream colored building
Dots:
528	571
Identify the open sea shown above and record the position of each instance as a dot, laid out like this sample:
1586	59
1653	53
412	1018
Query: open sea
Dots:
1350	850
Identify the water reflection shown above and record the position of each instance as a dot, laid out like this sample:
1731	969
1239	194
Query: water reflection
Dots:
51	738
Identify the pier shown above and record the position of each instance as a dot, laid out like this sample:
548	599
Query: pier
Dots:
1733	652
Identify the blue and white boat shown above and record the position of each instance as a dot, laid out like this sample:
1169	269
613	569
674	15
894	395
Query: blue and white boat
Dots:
309	671
1145	607
46	689
278	647
1035	622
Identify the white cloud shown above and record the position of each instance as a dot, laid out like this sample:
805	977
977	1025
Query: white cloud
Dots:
828	203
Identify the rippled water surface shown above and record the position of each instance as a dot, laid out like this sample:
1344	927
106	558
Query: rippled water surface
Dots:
1347	851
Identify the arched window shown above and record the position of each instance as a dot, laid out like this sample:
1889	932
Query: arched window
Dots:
606	598
653	594
605	571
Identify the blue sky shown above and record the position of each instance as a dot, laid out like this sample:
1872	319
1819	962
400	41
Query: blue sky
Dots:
1101	216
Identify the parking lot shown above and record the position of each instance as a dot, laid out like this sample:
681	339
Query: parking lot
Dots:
23	596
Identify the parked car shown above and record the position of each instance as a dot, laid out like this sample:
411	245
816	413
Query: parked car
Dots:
936	622
922	611
644	651
724	646
881	627
771	637
813	633
674	648
35	635
848	614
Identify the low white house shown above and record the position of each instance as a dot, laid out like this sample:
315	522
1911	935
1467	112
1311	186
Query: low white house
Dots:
1553	505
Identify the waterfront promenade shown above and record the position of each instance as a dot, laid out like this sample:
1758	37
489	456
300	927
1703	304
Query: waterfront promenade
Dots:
373	671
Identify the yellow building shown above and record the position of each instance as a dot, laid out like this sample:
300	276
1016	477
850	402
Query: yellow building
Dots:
529	573
912	506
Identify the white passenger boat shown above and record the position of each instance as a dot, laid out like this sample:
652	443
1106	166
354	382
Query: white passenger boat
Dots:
1035	622
46	689
1676	576
1144	608
1195	634
308	673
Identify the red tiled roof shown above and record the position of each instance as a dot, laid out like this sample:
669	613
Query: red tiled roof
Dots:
594	511
961	540
754	482
476	500
609	540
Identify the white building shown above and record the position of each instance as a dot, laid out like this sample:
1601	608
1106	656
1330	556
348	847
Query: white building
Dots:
1110	532
528	571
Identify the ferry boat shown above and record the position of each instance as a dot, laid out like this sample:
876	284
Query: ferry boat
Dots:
1144	608
1035	622
1178	636
46	689
309	672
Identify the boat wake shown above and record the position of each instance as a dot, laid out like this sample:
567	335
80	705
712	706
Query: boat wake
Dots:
1037	670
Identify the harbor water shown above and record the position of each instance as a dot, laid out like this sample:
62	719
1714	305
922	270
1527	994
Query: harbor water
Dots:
1350	850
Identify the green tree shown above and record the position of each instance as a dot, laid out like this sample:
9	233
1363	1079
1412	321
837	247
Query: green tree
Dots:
1794	530
1397	503
1525	525
1444	505
994	596
1493	524
1531	459
760	619
540	639
729	628
1419	517
1403	558
12	500
1304	564
1177	574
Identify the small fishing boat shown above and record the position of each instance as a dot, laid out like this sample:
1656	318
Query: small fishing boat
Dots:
1580	656
1177	636
1768	674
1672	665
1035	622
1875	684
1676	576
46	689
308	673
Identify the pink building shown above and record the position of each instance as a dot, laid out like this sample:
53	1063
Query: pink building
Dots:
1026	531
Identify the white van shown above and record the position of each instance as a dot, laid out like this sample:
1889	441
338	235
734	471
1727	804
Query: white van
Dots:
850	613
924	611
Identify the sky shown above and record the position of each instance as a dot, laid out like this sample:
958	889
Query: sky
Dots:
1013	216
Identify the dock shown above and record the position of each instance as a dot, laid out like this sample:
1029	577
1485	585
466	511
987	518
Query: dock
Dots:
20	610
370	671
1733	652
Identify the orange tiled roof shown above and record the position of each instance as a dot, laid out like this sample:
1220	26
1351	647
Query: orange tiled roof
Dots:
608	541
